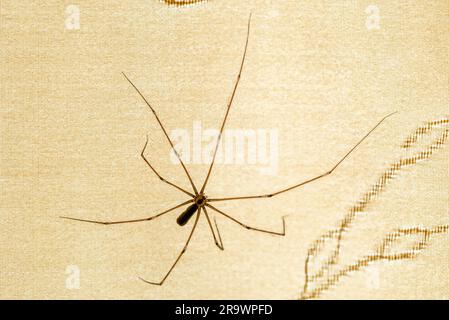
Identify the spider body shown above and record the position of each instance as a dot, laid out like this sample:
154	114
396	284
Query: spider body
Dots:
198	204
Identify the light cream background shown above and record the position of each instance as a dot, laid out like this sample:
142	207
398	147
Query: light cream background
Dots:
72	130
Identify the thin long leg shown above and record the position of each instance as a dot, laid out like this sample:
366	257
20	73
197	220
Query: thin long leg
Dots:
130	221
165	133
229	107
156	173
248	227
309	180
218	242
179	256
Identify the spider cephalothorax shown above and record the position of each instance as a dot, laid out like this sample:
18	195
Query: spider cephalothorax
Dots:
200	200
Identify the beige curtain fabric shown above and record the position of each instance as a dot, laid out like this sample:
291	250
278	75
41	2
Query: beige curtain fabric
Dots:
318	76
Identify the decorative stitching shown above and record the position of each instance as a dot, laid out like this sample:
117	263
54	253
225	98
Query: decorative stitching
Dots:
323	278
182	3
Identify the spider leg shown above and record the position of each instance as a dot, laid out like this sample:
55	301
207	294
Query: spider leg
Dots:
165	133
251	228
156	173
130	221
219	242
179	256
228	108
309	180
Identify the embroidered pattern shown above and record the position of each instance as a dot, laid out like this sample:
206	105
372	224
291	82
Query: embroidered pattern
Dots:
322	270
182	3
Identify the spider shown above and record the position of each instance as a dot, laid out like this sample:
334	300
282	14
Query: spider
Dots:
199	203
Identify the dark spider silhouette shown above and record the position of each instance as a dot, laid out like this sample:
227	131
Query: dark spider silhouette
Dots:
199	201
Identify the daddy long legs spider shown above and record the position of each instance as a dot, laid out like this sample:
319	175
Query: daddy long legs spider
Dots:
199	203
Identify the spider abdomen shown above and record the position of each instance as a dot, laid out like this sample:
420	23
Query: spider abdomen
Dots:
187	214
